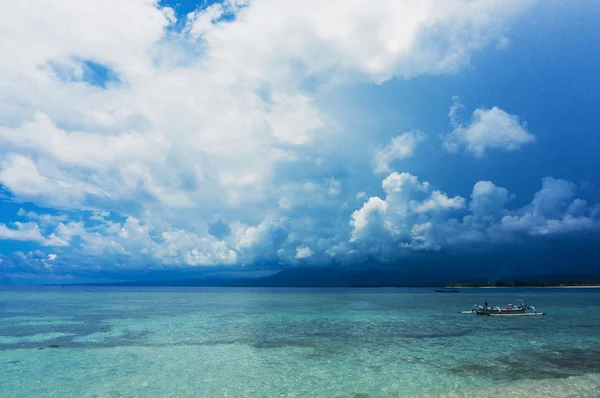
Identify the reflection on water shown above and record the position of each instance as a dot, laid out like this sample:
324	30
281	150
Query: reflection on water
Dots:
293	342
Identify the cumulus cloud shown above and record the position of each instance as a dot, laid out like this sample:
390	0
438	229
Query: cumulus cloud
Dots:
554	209
303	252
400	220
405	213
488	200
436	201
370	221
28	231
489	129
554	197
402	147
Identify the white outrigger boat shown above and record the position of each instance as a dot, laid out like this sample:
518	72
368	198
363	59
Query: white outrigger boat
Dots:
521	309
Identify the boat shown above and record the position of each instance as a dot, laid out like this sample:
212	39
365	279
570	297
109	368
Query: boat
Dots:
510	310
447	290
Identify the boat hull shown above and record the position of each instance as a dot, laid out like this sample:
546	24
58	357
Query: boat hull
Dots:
494	311
510	309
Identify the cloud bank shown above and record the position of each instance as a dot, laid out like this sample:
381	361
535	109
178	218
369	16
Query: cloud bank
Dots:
413	215
150	139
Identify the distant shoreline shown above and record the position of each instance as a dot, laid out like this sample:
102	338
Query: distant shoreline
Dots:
558	286
532	287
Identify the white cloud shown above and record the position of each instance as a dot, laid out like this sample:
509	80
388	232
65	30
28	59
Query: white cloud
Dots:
28	231
140	242
437	201
554	197
52	257
303	252
22	231
488	200
403	183
455	108
91	151
99	215
44	219
403	220
404	214
352	38
48	187
122	39
402	147
553	210
370	221
489	129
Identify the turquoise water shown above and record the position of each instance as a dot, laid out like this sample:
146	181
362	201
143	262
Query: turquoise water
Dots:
219	342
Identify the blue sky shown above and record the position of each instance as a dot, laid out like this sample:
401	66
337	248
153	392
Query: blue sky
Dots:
183	138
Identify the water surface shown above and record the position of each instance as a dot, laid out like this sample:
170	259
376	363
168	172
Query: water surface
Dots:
245	342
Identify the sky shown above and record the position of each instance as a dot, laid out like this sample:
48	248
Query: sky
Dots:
249	136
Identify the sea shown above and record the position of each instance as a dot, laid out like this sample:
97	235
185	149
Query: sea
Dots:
295	342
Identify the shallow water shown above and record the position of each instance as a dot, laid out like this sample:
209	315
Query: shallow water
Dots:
220	342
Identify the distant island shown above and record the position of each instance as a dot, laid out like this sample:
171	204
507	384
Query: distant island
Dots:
527	284
365	278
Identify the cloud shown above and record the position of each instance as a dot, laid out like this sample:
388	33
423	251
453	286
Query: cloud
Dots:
405	219
553	210
412	216
392	39
370	221
489	129
404	215
28	231
554	197
19	263
44	219
436	201
204	20
488	200
196	107
303	252
402	147
198	115
86	150
23	178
